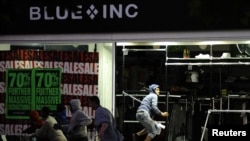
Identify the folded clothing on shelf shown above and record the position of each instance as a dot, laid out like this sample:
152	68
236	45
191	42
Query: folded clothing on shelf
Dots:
202	56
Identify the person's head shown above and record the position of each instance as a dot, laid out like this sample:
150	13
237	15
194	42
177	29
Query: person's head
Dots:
45	112
154	88
60	107
34	115
95	102
75	104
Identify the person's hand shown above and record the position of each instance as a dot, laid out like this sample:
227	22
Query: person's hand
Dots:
164	114
100	135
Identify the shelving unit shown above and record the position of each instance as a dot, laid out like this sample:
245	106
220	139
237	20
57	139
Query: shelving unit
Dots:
218	68
209	56
213	59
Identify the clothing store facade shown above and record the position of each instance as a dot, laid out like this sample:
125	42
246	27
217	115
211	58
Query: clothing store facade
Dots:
197	51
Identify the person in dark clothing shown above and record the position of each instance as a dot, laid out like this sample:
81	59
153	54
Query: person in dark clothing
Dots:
35	122
61	118
60	114
105	122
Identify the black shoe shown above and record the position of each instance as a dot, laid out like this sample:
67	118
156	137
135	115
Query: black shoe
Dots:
135	137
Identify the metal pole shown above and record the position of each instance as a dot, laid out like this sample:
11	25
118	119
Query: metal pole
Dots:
167	97
145	49
124	53
219	111
208	63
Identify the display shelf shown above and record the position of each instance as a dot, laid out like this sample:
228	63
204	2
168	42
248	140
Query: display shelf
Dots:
208	61
142	95
212	55
210	58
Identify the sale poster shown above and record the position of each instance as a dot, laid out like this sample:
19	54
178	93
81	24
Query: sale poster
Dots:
31	89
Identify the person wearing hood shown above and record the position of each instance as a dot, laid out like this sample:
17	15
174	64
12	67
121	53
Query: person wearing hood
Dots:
47	130
78	123
147	109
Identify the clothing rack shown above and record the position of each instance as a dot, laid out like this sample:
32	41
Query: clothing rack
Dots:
219	111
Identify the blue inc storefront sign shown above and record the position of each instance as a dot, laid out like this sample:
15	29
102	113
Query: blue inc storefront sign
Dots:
107	16
78	16
106	12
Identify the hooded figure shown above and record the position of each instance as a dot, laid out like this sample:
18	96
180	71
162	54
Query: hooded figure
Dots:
150	102
153	87
78	123
148	108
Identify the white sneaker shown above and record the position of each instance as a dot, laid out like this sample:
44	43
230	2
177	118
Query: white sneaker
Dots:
161	125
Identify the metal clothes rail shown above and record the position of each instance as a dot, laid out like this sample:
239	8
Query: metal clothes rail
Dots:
219	111
208	63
